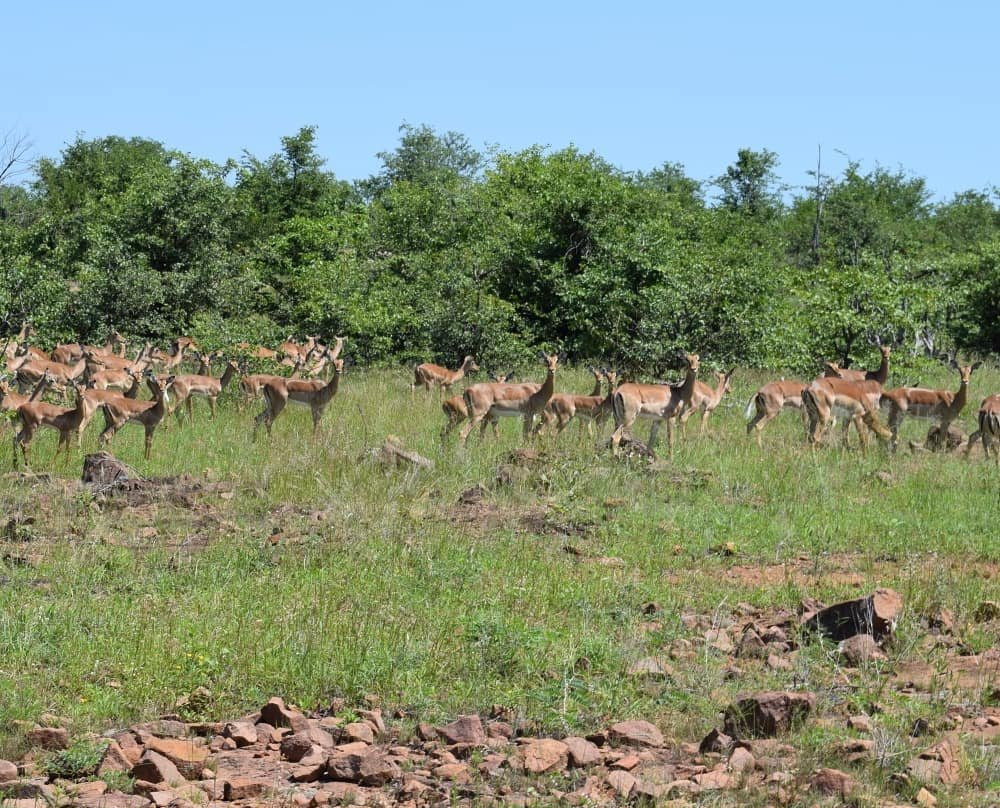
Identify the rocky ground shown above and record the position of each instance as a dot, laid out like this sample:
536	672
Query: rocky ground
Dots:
366	755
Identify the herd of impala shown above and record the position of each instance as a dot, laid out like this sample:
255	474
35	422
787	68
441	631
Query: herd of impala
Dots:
104	378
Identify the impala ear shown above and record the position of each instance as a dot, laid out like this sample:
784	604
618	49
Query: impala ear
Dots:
976	366
542	356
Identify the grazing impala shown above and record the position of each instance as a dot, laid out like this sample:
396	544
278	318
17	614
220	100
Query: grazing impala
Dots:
564	407
706	399
488	401
771	399
66	421
149	414
71	352
428	375
455	410
856	402
653	402
313	393
942	406
185	388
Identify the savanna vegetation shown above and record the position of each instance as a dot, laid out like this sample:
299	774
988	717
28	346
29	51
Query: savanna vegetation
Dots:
447	251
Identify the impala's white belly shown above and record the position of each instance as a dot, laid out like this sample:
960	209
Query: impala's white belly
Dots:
506	409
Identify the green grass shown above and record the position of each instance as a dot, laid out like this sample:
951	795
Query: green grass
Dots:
109	615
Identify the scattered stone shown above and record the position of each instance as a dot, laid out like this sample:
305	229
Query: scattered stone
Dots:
926	799
296	746
764	715
876	615
942	620
778	663
359	731
715	741
860	723
370	768
833	783
713	780
741	760
752	645
938	764
48	738
545	755
243	733
465	729
621	782
456	772
8	771
986	611
156	768
636	733
114	759
718	639
582	752
276	714
859	649
247	788
189	757
651	668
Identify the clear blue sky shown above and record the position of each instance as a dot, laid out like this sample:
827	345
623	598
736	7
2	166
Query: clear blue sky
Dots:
911	85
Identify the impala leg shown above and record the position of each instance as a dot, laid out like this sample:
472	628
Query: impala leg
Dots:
704	422
654	430
262	419
473	421
670	436
211	407
149	441
496	427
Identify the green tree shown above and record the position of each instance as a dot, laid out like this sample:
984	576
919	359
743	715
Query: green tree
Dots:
750	185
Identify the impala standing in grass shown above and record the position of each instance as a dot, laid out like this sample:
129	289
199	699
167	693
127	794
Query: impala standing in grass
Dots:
313	393
488	401
653	402
428	375
707	400
942	406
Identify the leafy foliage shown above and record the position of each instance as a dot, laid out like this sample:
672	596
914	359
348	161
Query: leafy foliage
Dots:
445	251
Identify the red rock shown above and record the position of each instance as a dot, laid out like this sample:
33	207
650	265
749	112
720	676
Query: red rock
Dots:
876	614
937	764
371	767
456	772
650	668
752	645
465	729
778	663
189	757
359	731
545	755
247	788
626	763
50	738
741	760
833	783
859	649
715	741
499	729
582	752
712	781
718	639
8	771
243	733
276	714
860	723
112	799
636	733
156	768
114	760
622	782
767	714
374	717
296	746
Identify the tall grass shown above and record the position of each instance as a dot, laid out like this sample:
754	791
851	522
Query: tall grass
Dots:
324	575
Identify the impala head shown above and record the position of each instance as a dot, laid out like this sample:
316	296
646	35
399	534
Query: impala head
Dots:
611	376
965	371
338	366
551	361
502	378
886	350
831	370
692	361
724	380
470	364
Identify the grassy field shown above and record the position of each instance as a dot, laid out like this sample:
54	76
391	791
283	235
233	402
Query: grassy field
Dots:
319	574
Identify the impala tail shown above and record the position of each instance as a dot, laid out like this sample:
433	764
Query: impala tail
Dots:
753	405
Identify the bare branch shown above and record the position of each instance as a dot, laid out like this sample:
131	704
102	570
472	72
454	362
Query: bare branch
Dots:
15	151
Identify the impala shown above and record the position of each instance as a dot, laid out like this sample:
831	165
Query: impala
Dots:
185	388
989	427
653	402
168	361
455	410
149	414
314	394
96	362
71	352
487	401
16	343
67	421
428	375
706	399
293	350
9	402
942	406
880	375
856	402
771	399
30	372
564	407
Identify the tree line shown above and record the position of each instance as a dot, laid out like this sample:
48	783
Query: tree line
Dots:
447	252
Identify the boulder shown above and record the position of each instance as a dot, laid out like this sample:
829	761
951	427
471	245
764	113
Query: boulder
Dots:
465	729
876	614
545	755
636	733
764	715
